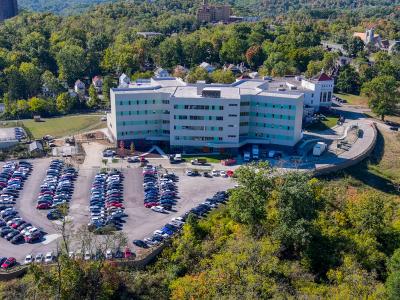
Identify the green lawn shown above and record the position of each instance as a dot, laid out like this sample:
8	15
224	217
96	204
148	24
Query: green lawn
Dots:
353	99
63	126
327	123
210	158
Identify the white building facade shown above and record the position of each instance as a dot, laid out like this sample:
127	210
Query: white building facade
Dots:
209	118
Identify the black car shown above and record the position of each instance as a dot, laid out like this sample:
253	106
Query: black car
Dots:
11	234
17	239
140	244
5	230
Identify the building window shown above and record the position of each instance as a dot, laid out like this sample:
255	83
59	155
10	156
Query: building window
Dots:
221	108
232	104
231	125
220	118
232	115
232	136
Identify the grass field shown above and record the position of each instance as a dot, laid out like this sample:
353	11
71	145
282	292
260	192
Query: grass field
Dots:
63	126
353	99
385	161
210	158
327	123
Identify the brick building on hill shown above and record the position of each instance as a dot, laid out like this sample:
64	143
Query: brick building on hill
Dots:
8	9
213	13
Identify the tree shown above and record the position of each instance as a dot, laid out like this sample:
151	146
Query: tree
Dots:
348	80
294	205
38	105
232	51
353	46
120	58
64	102
247	203
221	76
255	56
383	94
51	84
198	74
107	85
16	85
31	76
93	97
71	61
393	280
313	68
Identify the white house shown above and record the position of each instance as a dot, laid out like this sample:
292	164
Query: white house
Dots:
206	66
124	80
79	87
97	83
161	73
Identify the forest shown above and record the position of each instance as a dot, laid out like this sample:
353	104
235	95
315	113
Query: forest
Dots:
46	52
244	7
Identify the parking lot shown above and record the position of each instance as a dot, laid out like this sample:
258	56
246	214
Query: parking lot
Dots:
140	222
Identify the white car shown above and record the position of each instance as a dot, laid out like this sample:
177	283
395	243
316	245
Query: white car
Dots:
39	258
215	173
159	232
159	209
223	174
189	173
48	258
87	256
109	254
28	259
71	254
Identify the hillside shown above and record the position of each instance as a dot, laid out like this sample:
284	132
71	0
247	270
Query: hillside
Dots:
247	7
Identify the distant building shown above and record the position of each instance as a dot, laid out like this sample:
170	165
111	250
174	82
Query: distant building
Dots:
8	9
219	117
147	34
206	66
180	71
124	80
213	13
79	87
369	37
36	148
161	73
98	83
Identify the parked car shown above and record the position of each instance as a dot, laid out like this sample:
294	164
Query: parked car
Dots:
9	263
28	259
49	258
140	244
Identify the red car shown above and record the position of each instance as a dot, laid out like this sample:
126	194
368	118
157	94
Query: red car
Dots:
150	204
229	173
9	263
127	253
33	237
114	204
43	206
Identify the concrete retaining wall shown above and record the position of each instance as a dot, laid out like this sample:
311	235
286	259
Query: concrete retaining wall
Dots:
350	162
5	276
